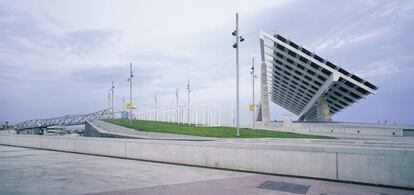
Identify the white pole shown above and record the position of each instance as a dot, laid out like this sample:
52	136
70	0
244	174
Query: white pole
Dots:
123	103
188	102
112	107
237	75
213	114
182	114
253	93
176	98
219	122
155	111
109	100
232	113
196	115
203	116
130	93
208	115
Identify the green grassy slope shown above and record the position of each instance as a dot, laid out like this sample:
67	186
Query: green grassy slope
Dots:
220	132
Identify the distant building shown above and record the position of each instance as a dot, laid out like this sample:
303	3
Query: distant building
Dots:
5	125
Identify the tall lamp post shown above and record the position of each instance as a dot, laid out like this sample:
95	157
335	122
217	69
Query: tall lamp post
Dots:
112	107
123	104
188	102
109	100
130	93
253	102
236	46
155	107
176	98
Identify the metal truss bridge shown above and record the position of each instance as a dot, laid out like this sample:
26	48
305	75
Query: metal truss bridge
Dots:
68	120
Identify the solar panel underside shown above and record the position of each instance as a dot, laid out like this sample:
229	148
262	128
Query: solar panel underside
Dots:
298	78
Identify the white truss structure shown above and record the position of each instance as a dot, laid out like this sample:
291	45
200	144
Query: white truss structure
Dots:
68	120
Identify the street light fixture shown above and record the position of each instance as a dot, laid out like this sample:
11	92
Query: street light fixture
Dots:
253	101
236	46
130	93
188	102
112	107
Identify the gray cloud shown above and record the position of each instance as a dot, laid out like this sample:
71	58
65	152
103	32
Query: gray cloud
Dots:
21	33
49	70
85	42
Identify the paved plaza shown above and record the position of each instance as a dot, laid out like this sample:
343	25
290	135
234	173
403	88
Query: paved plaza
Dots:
32	171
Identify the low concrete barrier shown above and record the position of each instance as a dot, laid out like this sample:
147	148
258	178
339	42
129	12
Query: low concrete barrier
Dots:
338	128
347	129
373	165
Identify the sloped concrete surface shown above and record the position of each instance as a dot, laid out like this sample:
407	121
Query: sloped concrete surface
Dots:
98	128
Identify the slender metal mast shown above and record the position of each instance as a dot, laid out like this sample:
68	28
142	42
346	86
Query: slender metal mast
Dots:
188	102
176	98
236	46
109	100
155	112
237	76
112	107
130	93
123	103
253	77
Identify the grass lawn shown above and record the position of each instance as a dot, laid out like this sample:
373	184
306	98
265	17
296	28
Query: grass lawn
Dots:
221	132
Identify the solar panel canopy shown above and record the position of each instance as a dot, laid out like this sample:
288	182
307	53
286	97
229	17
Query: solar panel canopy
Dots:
306	84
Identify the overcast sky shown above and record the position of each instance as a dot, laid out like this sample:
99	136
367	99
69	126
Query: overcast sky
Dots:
59	57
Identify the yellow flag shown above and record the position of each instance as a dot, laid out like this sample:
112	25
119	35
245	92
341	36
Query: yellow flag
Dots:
251	107
130	106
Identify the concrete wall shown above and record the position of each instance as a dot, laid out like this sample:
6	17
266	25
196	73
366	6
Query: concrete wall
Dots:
393	167
339	128
91	130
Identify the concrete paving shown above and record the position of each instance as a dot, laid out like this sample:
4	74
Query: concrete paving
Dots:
378	162
31	171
